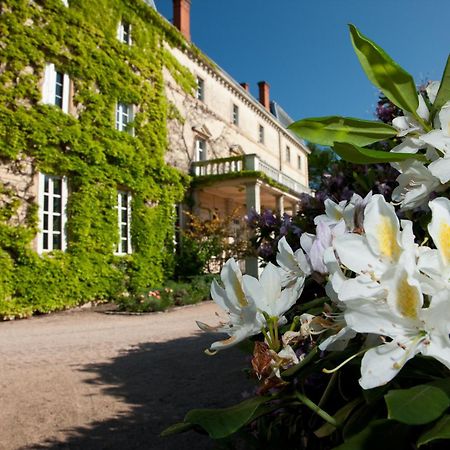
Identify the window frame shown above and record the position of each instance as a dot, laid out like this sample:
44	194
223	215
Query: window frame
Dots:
120	251
119	123
121	35
288	154
200	92
299	162
235	115
261	134
200	149
49	88
50	231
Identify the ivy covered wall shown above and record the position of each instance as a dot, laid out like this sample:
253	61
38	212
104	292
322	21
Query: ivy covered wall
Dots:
81	40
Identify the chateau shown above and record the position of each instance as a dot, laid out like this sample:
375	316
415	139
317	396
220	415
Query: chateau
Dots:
105	110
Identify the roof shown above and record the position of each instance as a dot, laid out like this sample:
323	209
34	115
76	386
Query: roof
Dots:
150	3
284	118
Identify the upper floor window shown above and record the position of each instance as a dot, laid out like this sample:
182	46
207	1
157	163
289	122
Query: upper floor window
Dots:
288	154
235	116
261	134
124	115
56	88
200	150
124	33
52	213
200	89
299	162
124	222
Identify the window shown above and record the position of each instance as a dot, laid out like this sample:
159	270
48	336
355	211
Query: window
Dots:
124	115
56	88
299	162
288	154
200	89
52	213
261	134
124	33
124	222
200	150
235	117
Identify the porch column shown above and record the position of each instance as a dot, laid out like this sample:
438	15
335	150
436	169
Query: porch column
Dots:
280	204
253	202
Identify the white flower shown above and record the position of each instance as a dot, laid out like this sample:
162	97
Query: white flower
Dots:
293	266
244	319
283	360
333	213
416	183
435	263
417	330
266	293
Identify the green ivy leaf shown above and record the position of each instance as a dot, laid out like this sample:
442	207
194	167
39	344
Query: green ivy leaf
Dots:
441	430
360	155
383	433
220	423
326	130
417	405
397	84
443	94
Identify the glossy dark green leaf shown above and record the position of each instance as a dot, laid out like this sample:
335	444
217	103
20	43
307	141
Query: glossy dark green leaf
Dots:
360	155
441	430
379	434
397	84
177	428
417	405
443	94
326	130
219	423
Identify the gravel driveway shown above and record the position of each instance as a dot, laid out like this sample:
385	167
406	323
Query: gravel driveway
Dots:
88	380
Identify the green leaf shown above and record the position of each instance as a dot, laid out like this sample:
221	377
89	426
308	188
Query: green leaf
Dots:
379	434
417	405
340	417
443	94
441	430
220	423
360	155
326	130
177	428
397	84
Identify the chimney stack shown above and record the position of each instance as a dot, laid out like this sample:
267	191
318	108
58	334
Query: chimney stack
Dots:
264	94
245	86
181	17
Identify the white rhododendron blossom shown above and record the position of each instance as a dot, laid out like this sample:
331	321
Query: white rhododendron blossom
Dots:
417	180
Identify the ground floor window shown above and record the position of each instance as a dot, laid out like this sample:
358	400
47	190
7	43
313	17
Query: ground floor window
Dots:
52	213
124	221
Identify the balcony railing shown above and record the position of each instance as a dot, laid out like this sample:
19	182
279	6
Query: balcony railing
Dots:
251	162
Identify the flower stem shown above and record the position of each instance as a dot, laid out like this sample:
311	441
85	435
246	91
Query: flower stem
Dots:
315	408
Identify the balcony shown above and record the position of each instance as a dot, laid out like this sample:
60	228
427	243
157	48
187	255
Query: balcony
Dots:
246	163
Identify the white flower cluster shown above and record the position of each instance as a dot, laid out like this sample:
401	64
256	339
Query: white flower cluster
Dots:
381	283
416	180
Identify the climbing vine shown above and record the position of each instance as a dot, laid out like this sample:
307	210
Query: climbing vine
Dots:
80	40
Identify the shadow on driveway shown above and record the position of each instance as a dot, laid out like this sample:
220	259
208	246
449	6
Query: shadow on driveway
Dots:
160	382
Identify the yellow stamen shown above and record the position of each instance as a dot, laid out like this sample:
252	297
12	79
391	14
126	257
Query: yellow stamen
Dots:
444	241
408	298
387	238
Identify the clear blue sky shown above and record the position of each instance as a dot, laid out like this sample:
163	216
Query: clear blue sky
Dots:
302	47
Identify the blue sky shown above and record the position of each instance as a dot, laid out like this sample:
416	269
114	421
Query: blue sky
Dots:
302	47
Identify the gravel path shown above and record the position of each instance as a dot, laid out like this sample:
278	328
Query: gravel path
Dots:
88	380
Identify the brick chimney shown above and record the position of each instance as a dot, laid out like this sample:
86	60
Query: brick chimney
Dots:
264	94
181	17
245	86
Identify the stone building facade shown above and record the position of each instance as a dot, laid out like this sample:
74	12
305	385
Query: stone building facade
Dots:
237	144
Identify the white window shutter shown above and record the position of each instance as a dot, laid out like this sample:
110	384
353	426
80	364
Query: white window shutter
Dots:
129	249
48	89
66	93
120	32
64	197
